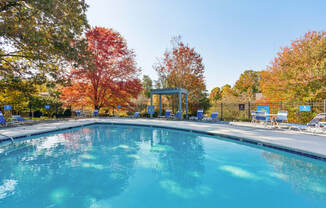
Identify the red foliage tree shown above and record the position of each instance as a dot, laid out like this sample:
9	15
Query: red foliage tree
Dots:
110	78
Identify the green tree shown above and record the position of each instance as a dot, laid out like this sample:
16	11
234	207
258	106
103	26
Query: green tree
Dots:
147	84
216	94
40	37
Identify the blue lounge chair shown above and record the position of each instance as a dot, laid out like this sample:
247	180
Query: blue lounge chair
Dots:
317	121
214	116
281	116
167	114
95	113
78	113
17	119
259	116
136	115
2	120
200	115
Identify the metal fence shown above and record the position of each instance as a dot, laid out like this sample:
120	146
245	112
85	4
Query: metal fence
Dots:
226	111
299	112
33	111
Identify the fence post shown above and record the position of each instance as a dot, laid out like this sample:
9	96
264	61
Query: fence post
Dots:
249	113
221	111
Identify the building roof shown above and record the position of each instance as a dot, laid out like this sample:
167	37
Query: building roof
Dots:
167	91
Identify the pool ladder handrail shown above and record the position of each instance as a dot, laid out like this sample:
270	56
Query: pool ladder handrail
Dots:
11	138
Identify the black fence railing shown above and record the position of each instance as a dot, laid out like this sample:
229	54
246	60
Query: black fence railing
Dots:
299	112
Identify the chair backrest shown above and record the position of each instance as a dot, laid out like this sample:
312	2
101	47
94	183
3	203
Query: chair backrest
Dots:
2	119
315	121
282	116
200	113
18	117
214	115
167	113
260	116
136	114
78	112
179	114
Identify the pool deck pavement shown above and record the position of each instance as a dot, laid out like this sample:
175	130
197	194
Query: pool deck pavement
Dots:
314	145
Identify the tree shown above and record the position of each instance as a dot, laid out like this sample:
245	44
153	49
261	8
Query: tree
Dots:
182	67
40	37
227	91
298	73
110	79
147	84
248	84
215	95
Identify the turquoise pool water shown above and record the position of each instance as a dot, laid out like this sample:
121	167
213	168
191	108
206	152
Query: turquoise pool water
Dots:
124	166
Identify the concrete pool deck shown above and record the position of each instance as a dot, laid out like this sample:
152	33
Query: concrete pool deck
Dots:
301	143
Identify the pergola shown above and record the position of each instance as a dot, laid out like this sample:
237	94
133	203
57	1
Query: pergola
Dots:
169	91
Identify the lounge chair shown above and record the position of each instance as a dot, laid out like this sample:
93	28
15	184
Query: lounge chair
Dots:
78	113
214	116
167	114
200	114
315	125
3	121
178	116
17	119
136	115
282	116
95	113
259	116
318	121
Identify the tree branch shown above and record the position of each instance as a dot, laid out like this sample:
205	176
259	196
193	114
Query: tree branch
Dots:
8	5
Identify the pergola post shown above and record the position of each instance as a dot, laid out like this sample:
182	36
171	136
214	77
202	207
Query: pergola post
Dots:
187	106
180	108
151	113
160	101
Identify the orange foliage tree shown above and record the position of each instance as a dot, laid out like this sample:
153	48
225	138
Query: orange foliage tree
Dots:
298	73
109	79
182	67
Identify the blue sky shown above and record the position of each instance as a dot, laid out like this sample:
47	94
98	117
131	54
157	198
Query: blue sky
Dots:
231	35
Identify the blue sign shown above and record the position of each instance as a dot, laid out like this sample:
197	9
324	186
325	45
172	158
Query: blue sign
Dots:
7	107
151	109
47	106
263	108
304	108
119	106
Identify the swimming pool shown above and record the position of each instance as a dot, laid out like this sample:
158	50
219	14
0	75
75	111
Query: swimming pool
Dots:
130	166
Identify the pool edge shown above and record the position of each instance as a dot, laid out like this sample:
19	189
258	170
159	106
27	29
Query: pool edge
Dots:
296	151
